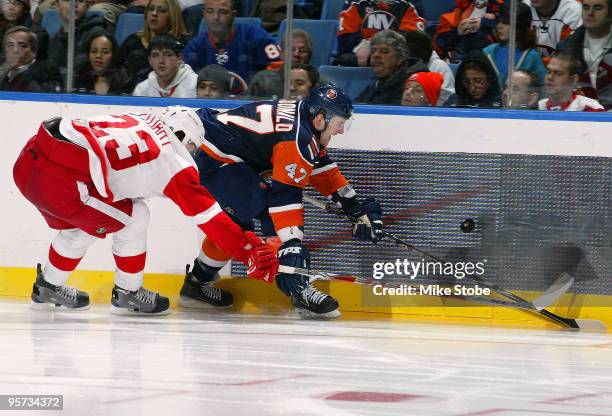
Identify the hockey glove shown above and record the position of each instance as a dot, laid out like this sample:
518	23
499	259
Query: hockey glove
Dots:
262	264
293	254
368	220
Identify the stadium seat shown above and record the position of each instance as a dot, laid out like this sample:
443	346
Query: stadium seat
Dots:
331	8
353	80
255	21
454	67
324	39
433	9
127	24
52	22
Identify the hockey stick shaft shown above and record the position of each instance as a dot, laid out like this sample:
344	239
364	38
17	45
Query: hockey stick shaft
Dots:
549	296
315	275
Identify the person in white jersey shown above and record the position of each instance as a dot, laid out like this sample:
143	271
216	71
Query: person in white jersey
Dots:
88	177
560	81
591	44
554	21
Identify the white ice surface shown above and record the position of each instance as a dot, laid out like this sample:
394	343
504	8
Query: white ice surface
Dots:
196	363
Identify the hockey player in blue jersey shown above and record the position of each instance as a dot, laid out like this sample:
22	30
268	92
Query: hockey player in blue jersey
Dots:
285	141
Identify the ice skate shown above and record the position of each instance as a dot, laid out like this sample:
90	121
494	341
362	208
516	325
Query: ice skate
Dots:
46	296
139	302
312	303
198	295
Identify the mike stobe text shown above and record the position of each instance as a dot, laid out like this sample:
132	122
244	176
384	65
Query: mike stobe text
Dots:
431	290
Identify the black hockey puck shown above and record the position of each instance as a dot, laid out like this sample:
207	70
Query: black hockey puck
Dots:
467	226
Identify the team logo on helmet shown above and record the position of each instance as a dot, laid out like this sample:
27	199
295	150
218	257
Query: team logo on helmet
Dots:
331	94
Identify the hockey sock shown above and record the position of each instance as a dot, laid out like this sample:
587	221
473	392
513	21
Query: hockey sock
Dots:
65	253
210	260
204	273
129	274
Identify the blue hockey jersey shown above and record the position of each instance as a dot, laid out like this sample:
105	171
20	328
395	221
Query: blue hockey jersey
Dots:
276	138
249	50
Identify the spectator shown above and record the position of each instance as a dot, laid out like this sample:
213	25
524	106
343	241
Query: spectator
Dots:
85	27
301	47
103	73
269	82
475	83
420	46
591	44
193	13
390	66
562	73
469	26
526	89
422	89
304	77
525	55
162	17
17	13
25	72
240	48
170	77
363	19
213	82
554	21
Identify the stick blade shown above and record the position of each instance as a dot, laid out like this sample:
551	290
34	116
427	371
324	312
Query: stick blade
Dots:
591	325
554	292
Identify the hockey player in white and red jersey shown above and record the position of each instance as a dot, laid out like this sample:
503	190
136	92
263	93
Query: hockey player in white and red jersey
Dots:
562	75
284	141
88	178
554	21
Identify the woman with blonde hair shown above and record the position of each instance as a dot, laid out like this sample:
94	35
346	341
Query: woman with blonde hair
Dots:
162	17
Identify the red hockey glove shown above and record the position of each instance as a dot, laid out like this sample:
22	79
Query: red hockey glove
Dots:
262	264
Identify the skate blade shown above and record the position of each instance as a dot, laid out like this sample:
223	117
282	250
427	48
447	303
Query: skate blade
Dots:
52	307
130	312
306	314
189	303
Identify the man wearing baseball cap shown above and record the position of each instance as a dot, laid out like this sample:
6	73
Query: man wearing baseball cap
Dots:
213	82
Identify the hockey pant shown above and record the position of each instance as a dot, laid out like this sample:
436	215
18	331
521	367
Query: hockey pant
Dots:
54	176
129	251
242	195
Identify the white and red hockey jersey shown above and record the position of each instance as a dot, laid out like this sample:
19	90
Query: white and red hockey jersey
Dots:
577	103
566	18
135	155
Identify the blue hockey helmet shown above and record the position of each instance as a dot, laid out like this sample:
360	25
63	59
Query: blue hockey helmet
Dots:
330	101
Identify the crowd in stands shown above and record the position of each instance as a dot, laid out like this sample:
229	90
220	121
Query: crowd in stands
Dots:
458	57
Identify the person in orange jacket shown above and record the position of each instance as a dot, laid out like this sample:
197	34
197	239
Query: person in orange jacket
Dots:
363	19
469	26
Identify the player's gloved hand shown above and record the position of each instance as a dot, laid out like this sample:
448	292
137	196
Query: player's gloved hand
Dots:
368	216
262	264
292	253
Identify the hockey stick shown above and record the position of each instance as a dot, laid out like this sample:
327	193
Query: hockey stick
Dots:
315	275
553	293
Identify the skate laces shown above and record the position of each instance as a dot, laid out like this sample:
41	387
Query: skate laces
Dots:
313	295
69	293
145	296
210	292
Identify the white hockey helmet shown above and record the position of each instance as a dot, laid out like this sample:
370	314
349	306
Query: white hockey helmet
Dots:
186	126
